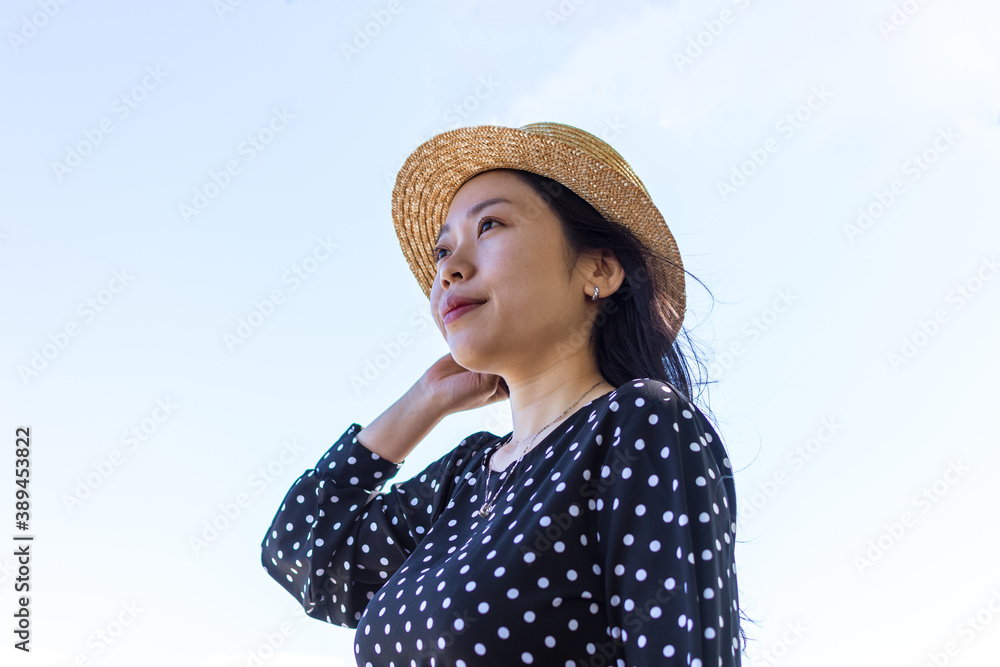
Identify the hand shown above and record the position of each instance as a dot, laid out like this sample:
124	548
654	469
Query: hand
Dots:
453	388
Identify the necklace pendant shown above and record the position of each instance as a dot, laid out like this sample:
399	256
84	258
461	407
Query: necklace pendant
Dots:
485	510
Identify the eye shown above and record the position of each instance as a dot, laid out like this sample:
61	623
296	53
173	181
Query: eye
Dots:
483	222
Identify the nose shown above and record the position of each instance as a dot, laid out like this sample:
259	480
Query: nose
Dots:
454	267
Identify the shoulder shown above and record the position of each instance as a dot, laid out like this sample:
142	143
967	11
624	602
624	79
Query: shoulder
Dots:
649	389
651	396
654	407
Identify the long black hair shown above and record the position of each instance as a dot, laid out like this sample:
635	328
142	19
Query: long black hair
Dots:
632	332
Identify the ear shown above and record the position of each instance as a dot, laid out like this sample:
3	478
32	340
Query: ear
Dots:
601	268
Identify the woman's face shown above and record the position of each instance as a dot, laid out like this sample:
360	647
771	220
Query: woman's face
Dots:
509	255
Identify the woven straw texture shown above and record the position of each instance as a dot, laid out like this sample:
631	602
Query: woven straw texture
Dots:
428	180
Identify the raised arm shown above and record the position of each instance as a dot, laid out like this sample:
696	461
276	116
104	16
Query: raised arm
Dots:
336	540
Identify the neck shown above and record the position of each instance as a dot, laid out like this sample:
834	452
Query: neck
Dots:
539	401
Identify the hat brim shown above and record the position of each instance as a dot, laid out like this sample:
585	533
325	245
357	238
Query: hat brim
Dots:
433	173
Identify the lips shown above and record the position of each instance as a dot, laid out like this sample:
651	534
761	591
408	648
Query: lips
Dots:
458	312
456	301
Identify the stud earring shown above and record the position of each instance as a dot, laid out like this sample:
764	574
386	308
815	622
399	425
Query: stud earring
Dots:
594	297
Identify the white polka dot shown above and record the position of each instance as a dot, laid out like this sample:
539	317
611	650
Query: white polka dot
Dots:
452	553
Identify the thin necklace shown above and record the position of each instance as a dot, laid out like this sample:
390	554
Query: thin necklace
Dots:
487	507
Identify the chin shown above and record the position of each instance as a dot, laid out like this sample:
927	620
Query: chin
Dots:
469	357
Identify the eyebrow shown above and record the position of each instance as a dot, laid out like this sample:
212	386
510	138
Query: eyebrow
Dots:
474	210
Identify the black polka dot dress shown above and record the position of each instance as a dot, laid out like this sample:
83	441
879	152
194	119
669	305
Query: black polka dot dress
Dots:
611	543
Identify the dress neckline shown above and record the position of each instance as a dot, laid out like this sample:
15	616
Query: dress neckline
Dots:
488	459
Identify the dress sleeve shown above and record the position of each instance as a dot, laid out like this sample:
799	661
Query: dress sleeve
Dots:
665	516
336	539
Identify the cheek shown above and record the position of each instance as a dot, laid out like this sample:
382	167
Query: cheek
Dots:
524	278
526	259
541	261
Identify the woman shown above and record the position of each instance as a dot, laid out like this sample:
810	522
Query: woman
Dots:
601	530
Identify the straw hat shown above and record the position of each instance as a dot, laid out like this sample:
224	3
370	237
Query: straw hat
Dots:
430	177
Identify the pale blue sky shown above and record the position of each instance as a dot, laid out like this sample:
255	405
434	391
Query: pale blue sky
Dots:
841	109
